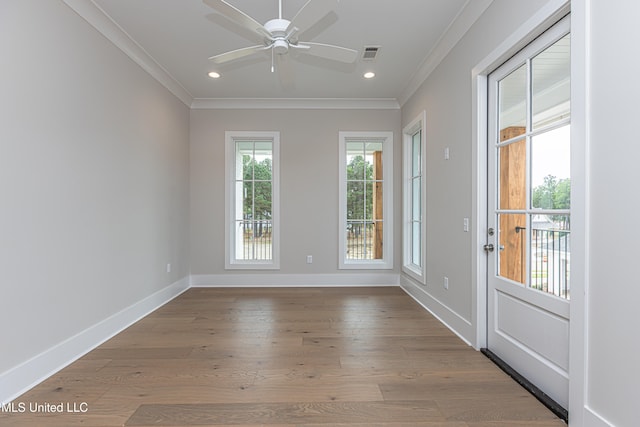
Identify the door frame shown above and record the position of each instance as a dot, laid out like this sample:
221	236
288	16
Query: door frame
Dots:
540	355
546	16
579	408
525	34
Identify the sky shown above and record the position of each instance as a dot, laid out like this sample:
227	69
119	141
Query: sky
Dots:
551	155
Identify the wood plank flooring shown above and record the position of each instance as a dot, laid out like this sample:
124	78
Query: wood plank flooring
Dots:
306	357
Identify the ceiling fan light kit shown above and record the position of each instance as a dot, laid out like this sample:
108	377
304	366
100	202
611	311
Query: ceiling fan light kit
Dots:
281	35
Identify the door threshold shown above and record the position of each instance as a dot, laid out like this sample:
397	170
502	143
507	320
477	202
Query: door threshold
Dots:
547	401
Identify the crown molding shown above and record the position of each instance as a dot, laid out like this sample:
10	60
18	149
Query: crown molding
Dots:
469	14
96	17
295	103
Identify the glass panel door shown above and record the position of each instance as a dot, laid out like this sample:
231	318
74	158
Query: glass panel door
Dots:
529	213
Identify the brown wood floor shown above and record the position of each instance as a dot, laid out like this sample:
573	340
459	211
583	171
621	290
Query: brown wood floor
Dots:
285	357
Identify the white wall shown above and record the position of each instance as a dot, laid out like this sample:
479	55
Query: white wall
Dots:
612	371
308	180
447	97
94	181
94	185
604	342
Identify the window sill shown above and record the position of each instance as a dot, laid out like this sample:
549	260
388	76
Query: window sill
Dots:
414	273
251	266
365	265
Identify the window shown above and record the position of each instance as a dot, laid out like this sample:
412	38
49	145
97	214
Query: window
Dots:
366	200
530	136
252	194
414	199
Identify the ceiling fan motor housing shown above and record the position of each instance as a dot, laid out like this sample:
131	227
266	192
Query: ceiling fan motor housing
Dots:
278	30
280	47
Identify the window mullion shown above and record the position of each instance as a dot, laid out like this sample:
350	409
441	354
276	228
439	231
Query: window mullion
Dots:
413	203
253	202
244	206
359	154
365	189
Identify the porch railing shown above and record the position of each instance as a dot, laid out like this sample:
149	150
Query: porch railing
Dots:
256	241
551	261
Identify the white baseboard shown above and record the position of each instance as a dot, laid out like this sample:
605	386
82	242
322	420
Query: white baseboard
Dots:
293	280
25	376
452	320
593	419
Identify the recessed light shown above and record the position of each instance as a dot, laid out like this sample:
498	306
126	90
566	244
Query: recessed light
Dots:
369	75
214	75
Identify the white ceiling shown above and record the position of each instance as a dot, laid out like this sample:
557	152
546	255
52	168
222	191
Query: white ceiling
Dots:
180	36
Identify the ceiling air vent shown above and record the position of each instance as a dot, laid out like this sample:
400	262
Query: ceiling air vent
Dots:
369	53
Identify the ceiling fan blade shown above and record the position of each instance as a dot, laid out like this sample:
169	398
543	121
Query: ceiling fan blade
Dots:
327	51
239	17
312	12
237	54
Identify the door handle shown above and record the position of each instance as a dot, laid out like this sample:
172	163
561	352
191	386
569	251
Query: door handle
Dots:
488	248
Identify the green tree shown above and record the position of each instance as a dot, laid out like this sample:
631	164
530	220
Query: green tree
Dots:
359	173
553	194
562	195
257	189
543	195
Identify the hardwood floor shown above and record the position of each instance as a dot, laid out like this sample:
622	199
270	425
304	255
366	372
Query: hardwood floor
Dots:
349	357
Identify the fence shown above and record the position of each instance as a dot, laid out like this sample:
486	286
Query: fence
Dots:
550	261
256	240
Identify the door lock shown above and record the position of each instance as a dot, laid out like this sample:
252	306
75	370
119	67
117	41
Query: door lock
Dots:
491	232
488	248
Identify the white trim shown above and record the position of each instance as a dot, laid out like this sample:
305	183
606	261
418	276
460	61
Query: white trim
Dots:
231	263
386	138
460	326
479	206
469	14
593	419
522	36
580	202
100	20
23	377
293	280
295	103
417	124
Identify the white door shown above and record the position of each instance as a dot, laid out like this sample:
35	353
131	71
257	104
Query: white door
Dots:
529	212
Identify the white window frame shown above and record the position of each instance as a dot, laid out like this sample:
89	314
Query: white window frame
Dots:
417	272
231	138
386	138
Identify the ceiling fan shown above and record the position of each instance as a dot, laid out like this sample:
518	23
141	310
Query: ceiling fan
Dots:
281	35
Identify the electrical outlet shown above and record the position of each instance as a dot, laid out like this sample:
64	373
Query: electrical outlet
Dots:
169	268
309	259
445	283
465	225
